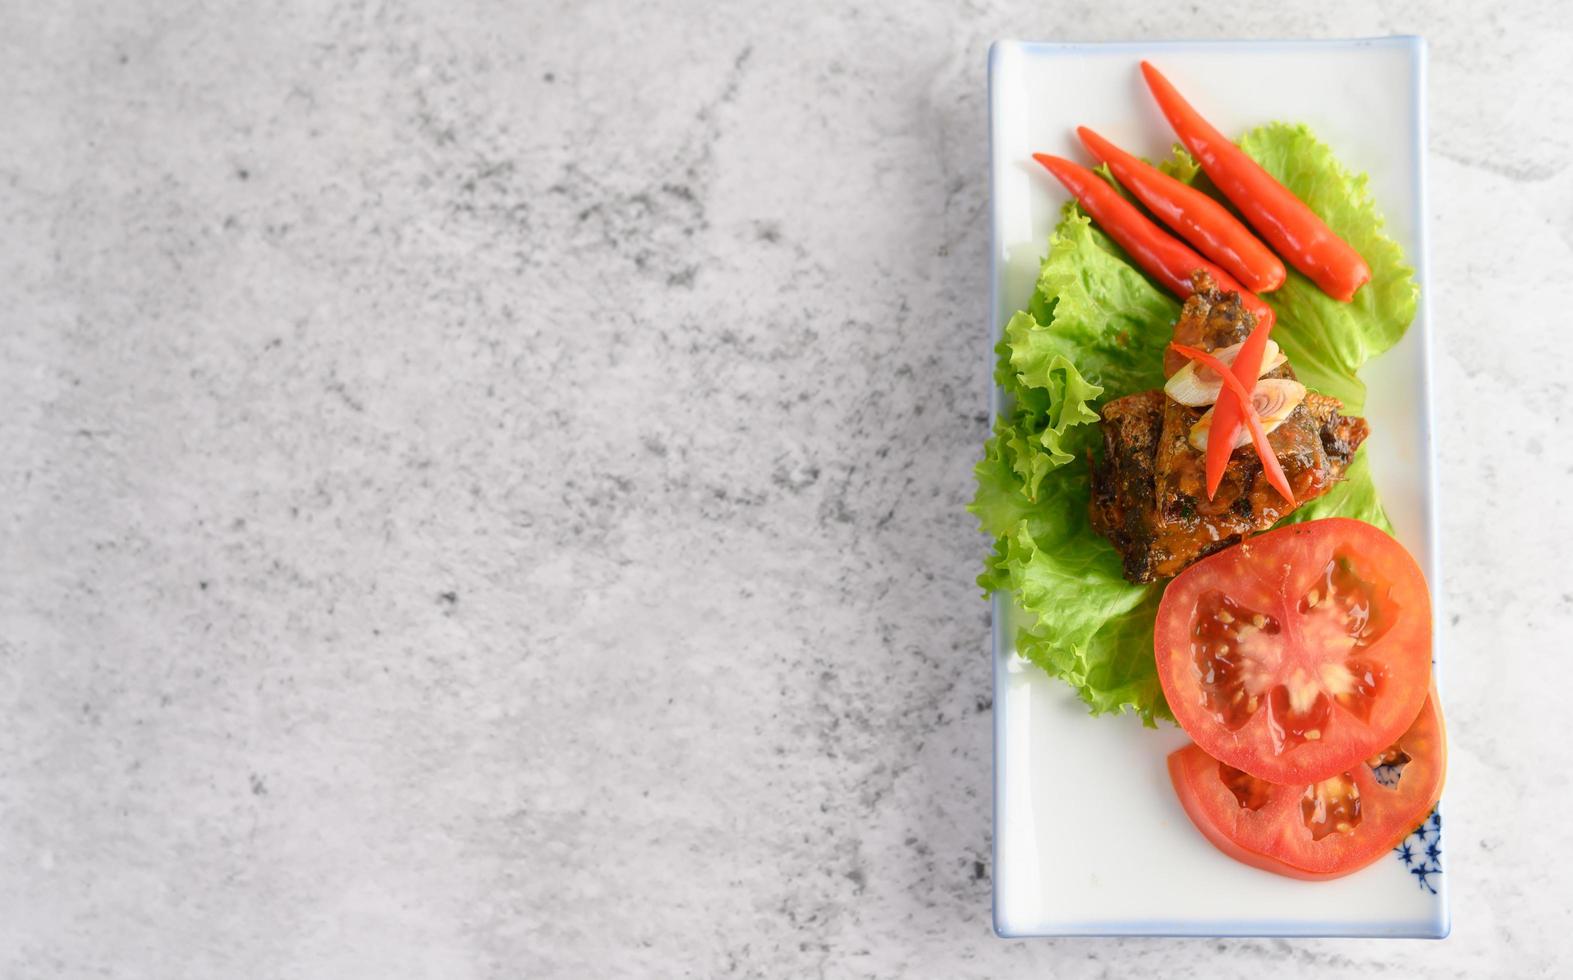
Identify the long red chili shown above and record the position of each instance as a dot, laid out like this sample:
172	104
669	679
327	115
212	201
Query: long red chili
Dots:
1197	218
1241	403
1227	417
1270	207
1163	256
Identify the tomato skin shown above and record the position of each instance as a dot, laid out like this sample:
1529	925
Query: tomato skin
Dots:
1274	838
1273	572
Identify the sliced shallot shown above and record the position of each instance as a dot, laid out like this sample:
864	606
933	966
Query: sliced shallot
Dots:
1196	385
1272	398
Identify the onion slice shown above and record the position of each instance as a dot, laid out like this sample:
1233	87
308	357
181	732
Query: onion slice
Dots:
1272	398
1196	384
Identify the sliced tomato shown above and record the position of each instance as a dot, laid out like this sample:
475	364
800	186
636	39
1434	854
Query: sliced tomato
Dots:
1294	655
1323	829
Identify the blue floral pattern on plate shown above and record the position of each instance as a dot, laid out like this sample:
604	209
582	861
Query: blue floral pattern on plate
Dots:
1421	852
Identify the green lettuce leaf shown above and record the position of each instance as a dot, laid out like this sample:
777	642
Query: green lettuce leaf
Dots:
1106	317
1181	165
1055	401
1083	622
1001	503
1327	341
1353	496
1095	330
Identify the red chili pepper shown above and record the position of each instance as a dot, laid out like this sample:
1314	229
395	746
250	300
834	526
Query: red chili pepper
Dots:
1197	218
1241	403
1163	256
1227	417
1271	208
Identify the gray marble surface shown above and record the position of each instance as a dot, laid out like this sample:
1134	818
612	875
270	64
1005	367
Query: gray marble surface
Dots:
484	489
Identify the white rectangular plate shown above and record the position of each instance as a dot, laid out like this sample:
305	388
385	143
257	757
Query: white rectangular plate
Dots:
1088	836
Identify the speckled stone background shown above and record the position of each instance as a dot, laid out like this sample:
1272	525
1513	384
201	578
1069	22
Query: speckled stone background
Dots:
483	489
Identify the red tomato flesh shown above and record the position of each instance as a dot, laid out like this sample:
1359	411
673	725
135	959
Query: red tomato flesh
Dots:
1298	653
1324	829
